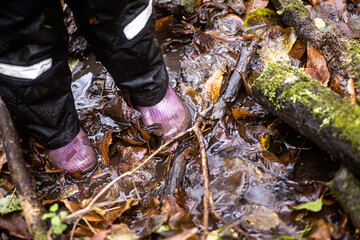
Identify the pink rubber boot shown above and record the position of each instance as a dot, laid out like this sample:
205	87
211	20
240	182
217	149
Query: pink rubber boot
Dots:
170	112
79	154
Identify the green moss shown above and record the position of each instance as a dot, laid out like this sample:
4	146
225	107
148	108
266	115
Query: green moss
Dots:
40	234
282	83
345	187
353	53
261	15
295	6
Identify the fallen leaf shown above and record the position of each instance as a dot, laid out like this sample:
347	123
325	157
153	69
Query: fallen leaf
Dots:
314	73
230	24
338	5
121	232
253	5
335	86
351	90
212	86
103	148
163	24
317	61
9	204
73	207
320	230
265	140
297	50
194	95
100	235
15	224
240	113
277	49
314	206
187	234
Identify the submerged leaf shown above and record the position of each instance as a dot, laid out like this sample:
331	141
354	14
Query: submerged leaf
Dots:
277	49
103	148
240	113
315	206
212	86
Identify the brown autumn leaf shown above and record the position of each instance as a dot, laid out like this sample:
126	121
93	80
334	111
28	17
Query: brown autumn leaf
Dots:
212	86
317	61
175	212
320	230
314	73
186	91
15	224
254	5
100	235
73	207
114	214
163	24
297	50
351	90
240	113
335	86
103	148
338	5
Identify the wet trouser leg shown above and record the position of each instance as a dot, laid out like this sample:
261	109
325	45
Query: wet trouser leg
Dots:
35	79
32	33
121	33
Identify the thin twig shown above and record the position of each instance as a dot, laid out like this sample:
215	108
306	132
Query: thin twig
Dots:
73	228
48	235
89	225
205	173
133	182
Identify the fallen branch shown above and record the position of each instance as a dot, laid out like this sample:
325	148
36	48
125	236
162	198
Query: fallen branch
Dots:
341	52
328	120
31	206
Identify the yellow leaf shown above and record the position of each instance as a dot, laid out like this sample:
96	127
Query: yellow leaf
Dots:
212	86
240	113
265	140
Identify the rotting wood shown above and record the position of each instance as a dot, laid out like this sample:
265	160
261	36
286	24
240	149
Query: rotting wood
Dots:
31	206
345	187
306	105
341	52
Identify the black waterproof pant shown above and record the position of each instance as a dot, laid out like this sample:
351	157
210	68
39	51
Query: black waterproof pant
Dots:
120	33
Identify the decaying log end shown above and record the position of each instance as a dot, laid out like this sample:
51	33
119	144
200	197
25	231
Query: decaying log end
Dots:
345	187
331	122
31	206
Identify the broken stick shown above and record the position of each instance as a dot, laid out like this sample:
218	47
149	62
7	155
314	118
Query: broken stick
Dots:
31	206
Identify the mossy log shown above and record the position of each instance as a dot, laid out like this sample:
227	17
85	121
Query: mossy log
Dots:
345	187
31	206
341	52
331	122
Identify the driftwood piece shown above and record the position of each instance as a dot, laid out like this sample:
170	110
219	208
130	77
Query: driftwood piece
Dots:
235	81
341	52
31	206
345	187
331	122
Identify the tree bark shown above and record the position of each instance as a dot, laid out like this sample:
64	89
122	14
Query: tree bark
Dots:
345	187
31	206
323	117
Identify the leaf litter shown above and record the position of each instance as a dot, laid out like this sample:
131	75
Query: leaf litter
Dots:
265	178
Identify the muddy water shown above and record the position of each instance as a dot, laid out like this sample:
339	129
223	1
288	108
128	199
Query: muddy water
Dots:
252	186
